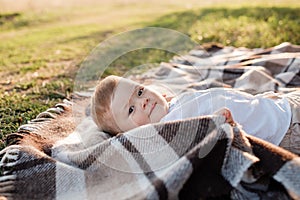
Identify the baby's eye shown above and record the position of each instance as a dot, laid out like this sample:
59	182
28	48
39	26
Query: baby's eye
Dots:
131	108
140	92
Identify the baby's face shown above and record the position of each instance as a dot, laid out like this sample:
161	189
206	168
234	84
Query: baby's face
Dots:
134	105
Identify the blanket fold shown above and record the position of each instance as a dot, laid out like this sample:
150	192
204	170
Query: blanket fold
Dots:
57	156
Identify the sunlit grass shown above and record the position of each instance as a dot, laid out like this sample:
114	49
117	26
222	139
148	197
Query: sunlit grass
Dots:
249	27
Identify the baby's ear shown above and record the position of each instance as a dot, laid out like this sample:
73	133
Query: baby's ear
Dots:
226	113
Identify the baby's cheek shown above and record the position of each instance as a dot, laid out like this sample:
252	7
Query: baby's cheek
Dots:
141	120
158	113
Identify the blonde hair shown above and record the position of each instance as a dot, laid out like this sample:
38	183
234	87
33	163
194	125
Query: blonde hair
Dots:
101	105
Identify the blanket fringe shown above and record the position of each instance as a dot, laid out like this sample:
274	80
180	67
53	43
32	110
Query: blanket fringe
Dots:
35	126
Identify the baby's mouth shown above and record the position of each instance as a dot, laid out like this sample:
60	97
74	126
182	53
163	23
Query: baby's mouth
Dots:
152	108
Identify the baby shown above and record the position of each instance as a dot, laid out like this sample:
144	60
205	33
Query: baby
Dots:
120	104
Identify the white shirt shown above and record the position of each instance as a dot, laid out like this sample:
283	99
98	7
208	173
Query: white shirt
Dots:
259	116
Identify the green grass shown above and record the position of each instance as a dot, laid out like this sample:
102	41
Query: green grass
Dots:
16	110
42	50
246	26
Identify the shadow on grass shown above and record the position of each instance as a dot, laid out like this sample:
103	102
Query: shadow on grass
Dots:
8	17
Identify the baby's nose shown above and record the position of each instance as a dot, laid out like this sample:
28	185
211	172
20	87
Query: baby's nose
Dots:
145	102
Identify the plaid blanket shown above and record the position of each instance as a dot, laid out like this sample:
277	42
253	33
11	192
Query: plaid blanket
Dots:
57	156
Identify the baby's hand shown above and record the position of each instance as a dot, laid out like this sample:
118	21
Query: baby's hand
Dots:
227	114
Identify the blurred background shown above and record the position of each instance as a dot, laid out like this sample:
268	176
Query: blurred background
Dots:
44	42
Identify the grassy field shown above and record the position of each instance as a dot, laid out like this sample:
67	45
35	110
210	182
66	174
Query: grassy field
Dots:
43	43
